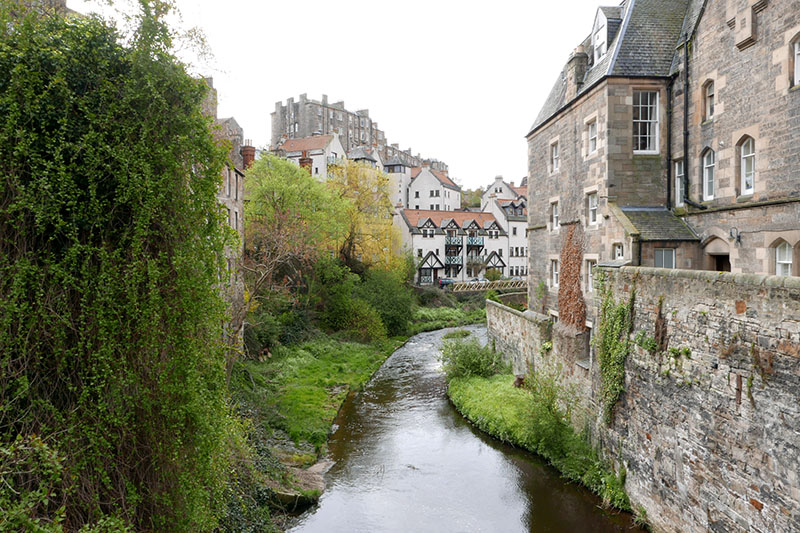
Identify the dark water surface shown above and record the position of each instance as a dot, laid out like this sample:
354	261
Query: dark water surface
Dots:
406	461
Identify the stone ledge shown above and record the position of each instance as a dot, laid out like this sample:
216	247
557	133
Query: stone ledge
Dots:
751	280
531	316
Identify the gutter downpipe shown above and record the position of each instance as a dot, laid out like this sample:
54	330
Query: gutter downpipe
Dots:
669	144
686	165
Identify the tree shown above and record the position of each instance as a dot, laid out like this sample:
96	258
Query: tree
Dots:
370	236
290	218
113	405
471	198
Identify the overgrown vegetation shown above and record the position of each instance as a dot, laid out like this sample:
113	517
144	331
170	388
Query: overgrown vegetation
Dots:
114	410
613	346
537	418
467	357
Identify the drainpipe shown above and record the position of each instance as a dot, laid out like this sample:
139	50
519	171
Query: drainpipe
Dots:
686	165
669	143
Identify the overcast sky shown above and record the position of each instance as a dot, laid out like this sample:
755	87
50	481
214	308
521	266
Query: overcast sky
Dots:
459	81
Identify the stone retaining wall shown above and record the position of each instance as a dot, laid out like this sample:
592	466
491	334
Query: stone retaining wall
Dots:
709	425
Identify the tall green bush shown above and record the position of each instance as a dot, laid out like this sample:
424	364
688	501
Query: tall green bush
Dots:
110	309
467	358
390	296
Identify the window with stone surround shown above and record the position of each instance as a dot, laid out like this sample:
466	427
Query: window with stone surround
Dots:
708	174
795	61
619	251
665	257
554	216
645	122
747	166
590	264
591	201
554	157
554	273
783	259
679	174
708	100
592	131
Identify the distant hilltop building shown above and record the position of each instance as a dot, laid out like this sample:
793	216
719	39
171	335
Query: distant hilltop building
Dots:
305	118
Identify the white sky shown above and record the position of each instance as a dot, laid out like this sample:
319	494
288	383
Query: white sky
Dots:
459	81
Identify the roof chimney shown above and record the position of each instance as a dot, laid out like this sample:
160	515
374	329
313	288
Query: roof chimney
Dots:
576	70
306	162
248	154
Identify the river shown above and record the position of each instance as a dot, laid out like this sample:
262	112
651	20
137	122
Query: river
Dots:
406	461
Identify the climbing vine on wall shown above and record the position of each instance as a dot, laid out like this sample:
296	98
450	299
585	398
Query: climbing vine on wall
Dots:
571	305
613	346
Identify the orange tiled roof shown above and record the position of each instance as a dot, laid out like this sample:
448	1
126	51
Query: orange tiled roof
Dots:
415	215
521	191
316	142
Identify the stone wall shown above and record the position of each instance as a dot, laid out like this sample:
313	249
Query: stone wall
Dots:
709	425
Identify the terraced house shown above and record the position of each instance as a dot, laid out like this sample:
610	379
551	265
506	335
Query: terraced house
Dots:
651	152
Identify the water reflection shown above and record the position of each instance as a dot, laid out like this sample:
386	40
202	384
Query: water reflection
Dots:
405	460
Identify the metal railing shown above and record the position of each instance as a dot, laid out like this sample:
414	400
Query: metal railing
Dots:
457	241
453	260
426	280
478	286
474	241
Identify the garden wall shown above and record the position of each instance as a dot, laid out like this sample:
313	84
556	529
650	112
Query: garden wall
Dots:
708	427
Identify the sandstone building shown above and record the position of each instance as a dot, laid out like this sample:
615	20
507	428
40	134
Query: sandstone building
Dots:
307	117
606	153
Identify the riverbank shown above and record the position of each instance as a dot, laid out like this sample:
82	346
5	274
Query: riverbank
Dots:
291	398
534	420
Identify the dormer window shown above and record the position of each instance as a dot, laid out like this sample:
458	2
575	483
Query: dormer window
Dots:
599	41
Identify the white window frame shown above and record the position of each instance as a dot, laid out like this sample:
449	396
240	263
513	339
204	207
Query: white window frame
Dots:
619	251
664	253
554	273
680	168
593	208
797	62
554	215
709	161
650	123
748	158
590	265
708	99
783	259
592	132
599	44
554	157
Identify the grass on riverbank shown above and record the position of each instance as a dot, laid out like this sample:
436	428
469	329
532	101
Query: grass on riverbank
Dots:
433	318
300	388
534	421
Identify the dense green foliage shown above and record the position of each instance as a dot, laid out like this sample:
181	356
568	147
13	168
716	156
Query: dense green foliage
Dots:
299	390
113	400
457	334
467	357
433	318
613	345
535	419
386	292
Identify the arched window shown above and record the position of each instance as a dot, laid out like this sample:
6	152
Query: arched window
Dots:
708	174
783	259
708	100
747	165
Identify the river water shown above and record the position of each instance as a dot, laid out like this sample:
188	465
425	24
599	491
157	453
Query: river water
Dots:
406	461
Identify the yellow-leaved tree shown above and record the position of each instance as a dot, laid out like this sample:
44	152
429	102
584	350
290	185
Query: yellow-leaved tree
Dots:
370	237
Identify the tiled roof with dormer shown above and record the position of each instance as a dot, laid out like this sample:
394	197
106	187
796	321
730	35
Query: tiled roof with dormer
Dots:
442	218
643	46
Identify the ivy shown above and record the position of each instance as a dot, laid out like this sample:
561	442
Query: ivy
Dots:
613	346
112	376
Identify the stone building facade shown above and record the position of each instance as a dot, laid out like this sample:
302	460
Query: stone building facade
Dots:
606	153
742	161
306	117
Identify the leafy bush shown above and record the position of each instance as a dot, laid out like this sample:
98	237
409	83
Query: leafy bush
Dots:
261	332
457	334
465	358
364	322
435	297
493	274
389	295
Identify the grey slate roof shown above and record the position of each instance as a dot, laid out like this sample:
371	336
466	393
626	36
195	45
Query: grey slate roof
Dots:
359	153
644	46
693	14
658	224
394	162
